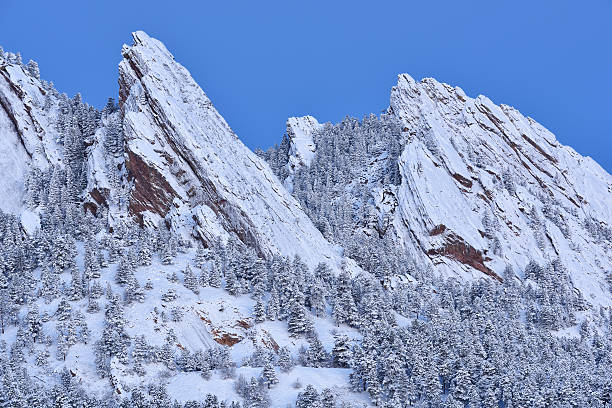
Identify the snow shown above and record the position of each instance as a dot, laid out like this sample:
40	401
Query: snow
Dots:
215	167
30	221
27	133
300	131
13	166
453	166
194	151
457	153
302	147
191	386
206	315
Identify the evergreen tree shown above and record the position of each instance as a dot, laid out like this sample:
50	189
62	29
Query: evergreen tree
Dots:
201	257
144	251
204	279
285	361
269	375
316	297
232	283
341	353
273	312
64	310
50	284
140	354
34	323
259	311
190	281
328	399
215	275
133	291
316	355
297	323
75	291
125	270
309	398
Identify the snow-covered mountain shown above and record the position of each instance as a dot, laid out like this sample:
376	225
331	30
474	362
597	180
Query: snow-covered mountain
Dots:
480	187
186	162
483	186
148	257
41	129
28	130
182	163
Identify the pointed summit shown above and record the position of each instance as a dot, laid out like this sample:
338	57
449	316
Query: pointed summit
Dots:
188	167
484	186
28	130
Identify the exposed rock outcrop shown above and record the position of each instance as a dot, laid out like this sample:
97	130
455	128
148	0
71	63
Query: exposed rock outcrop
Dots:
27	132
483	186
183	158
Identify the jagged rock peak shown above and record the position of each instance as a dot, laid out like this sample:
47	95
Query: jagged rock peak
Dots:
483	187
301	145
188	166
302	148
28	131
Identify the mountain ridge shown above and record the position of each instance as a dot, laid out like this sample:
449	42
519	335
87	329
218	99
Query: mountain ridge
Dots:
232	189
448	252
481	187
436	118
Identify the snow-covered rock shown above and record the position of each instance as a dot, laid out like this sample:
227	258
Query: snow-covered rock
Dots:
30	136
481	187
484	187
27	132
301	145
186	162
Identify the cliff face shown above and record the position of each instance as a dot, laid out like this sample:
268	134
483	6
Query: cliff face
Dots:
187	165
34	119
483	186
27	131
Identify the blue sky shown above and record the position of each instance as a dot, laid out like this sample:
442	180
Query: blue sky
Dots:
261	62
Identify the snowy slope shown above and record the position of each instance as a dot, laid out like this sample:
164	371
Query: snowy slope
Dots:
27	132
481	187
30	112
186	161
209	318
468	162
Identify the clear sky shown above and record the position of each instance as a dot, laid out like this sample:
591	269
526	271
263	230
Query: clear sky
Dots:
263	61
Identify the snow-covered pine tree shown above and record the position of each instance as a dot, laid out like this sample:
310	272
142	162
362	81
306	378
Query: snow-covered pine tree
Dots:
285	361
341	352
269	375
297	321
190	280
259	310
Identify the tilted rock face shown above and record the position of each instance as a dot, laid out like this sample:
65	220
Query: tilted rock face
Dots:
27	132
483	186
30	137
187	164
302	147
